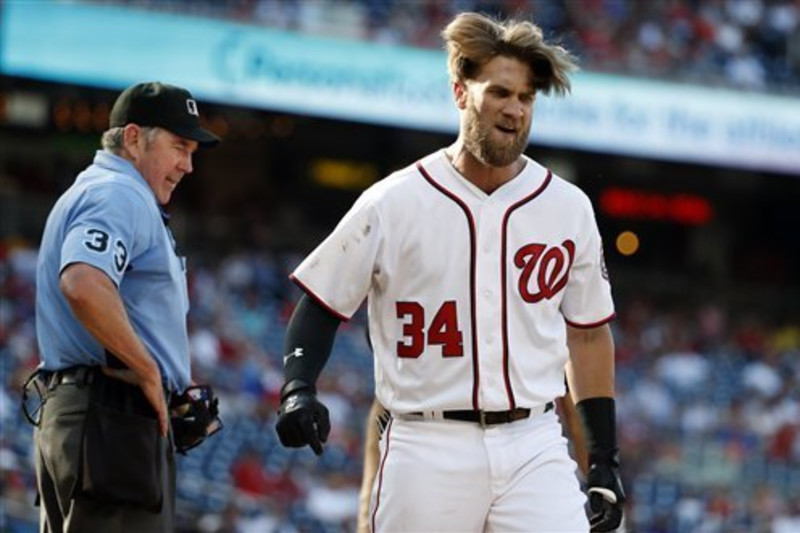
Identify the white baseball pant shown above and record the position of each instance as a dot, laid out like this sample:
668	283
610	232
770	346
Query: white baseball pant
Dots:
453	476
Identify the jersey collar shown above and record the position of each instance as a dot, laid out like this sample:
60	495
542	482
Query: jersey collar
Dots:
114	163
529	179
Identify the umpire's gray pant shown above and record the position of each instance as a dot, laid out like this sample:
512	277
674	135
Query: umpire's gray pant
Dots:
58	448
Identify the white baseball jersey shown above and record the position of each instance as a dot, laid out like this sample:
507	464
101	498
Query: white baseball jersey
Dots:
468	294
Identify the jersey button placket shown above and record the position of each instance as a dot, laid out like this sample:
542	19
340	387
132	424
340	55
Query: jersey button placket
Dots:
489	303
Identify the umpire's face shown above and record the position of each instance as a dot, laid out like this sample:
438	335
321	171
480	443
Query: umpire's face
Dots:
162	158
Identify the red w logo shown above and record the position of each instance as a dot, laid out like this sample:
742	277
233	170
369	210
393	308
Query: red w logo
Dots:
553	271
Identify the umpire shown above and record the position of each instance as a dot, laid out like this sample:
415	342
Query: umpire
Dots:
111	308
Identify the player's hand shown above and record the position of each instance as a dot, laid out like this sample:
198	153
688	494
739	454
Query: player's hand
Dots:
606	495
151	388
302	420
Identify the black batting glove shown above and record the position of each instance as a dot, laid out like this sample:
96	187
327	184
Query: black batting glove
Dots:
302	419
606	495
604	487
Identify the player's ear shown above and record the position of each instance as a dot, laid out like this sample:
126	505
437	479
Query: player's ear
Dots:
460	94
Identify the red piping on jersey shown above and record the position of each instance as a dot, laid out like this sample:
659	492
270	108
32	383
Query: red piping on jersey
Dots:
512	403
472	267
606	320
319	300
380	473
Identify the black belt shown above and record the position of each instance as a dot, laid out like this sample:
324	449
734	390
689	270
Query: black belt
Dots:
74	375
490	418
79	375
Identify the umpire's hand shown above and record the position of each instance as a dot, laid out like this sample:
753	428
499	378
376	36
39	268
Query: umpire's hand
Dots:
606	495
302	420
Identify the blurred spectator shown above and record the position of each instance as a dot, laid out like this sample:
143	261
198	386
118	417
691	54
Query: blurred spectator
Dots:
683	371
762	379
788	520
335	501
251	478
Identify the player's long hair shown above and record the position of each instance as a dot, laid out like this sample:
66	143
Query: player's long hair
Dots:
472	40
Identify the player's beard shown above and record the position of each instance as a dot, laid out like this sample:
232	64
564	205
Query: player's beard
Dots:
479	142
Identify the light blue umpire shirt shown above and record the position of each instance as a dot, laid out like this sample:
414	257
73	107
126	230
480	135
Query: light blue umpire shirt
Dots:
110	219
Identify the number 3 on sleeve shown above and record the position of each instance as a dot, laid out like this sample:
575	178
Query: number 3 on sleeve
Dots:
98	243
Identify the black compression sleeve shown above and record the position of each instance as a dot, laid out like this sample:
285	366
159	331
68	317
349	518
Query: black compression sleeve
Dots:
600	420
308	343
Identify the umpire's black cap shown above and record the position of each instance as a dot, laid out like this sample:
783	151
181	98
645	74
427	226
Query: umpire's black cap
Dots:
156	104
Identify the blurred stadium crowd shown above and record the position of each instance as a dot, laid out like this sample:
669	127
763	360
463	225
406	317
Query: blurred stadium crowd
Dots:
745	44
708	399
708	396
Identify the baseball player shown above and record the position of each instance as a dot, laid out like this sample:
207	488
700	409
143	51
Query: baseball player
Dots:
484	277
111	304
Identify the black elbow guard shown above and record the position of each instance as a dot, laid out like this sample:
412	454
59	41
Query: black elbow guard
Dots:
308	343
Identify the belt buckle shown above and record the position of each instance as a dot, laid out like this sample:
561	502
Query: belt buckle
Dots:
482	418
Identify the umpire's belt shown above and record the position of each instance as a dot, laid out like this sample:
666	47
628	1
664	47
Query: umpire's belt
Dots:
74	375
484	418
